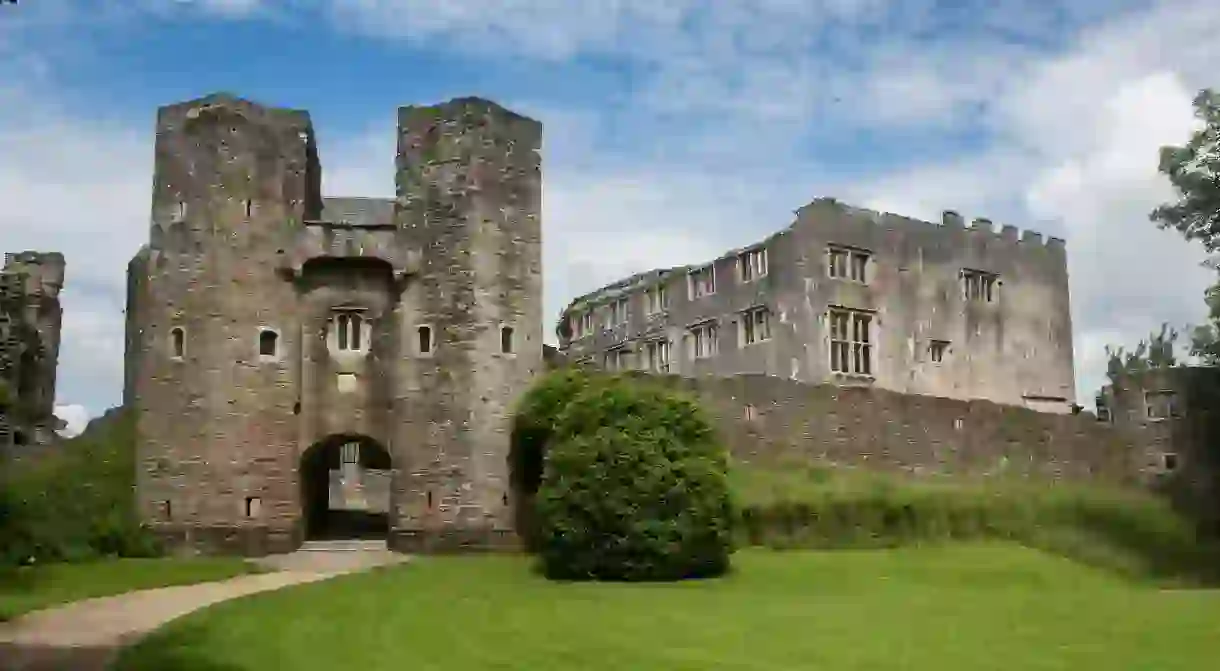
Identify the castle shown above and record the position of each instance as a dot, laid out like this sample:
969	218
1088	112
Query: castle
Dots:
301	366
30	322
276	338
853	297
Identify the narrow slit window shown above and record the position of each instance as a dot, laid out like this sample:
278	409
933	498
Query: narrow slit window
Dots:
249	206
506	339
178	342
268	343
344	324
425	339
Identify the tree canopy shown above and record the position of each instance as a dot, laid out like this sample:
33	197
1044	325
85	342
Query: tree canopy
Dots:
1155	352
1194	171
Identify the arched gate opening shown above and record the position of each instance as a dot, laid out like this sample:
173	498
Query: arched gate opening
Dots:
345	488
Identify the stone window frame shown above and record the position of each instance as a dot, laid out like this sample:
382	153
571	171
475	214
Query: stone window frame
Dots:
416	342
852	339
692	336
620	354
937	349
513	338
752	264
177	341
979	286
747	326
656	299
279	344
849	264
652	348
693	281
616	312
1172	412
1168	461
179	214
364	329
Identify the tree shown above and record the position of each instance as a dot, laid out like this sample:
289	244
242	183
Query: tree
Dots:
1194	171
1205	338
1155	352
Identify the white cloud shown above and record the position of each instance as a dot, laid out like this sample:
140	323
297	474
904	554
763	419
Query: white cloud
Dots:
75	416
1075	102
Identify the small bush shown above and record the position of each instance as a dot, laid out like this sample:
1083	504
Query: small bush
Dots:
634	487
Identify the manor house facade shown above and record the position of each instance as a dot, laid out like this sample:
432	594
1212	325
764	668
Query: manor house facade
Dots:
852	297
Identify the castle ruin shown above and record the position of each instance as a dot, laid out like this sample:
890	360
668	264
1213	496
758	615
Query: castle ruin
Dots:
30	322
289	356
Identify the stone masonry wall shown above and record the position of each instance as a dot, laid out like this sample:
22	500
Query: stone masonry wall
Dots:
469	196
1173	415
769	420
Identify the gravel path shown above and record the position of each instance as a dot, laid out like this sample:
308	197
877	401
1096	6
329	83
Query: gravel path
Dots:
84	636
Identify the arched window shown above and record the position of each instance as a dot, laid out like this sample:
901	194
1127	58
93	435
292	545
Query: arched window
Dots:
268	343
177	342
349	331
506	339
425	339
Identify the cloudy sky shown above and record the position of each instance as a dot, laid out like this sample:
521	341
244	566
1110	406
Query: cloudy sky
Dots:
674	128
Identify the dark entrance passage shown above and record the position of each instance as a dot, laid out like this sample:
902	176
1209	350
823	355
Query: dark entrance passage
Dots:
345	489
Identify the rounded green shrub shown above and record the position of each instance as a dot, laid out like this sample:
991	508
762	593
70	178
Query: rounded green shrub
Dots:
634	487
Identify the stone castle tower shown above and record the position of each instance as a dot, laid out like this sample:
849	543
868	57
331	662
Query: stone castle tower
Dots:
276	338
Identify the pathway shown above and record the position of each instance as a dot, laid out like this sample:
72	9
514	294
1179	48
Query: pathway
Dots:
84	636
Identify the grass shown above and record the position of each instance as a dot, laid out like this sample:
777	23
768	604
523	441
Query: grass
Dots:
992	606
33	588
1129	531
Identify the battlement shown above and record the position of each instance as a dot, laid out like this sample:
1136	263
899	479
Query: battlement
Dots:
950	219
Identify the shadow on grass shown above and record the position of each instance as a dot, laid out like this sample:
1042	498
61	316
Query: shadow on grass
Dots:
178	648
184	649
1183	563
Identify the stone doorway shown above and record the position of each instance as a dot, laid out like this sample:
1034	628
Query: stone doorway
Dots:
345	489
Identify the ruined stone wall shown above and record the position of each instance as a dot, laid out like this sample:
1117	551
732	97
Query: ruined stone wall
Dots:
924	335
31	321
767	420
1173	416
469	196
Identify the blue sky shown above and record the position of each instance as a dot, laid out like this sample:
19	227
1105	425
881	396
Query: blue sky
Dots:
674	129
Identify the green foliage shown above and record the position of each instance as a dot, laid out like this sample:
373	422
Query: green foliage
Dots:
1155	352
1132	532
634	483
75	502
1205	338
1194	171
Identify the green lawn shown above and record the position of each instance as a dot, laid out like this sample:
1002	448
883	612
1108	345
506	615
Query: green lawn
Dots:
27	589
968	607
